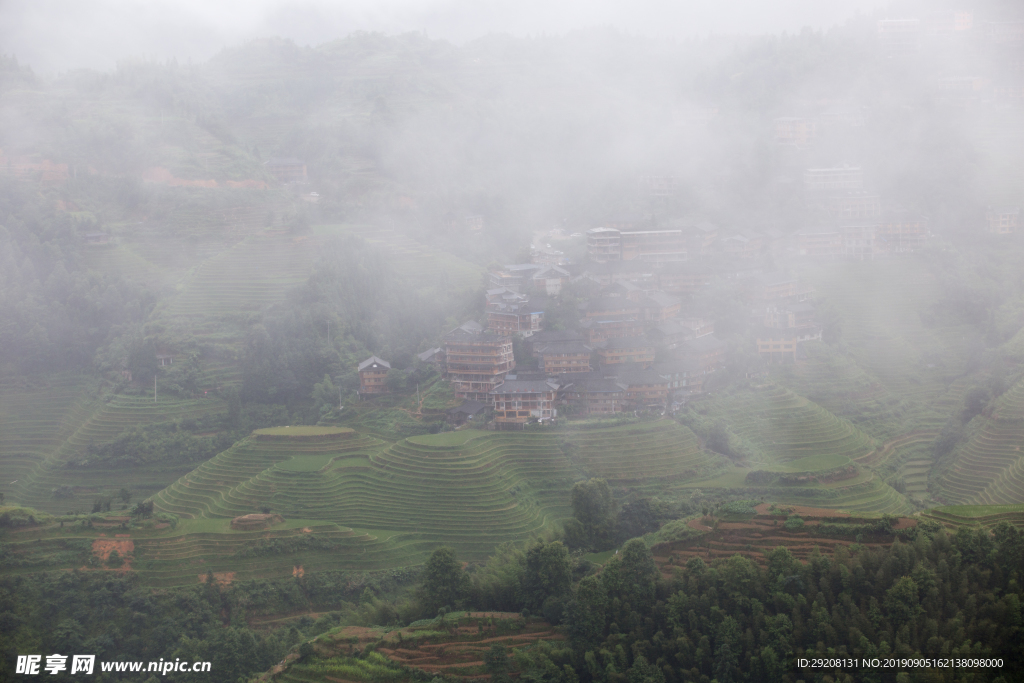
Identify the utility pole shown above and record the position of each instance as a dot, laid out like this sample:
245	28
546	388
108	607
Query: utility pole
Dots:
328	332
154	387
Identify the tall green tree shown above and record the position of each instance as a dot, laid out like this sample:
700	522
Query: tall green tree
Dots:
548	574
594	508
444	581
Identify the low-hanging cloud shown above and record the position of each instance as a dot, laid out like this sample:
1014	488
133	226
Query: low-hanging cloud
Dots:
57	35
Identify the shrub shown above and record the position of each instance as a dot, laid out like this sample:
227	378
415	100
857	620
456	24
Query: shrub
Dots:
794	522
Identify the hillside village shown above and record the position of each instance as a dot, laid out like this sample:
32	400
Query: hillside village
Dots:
314	330
635	342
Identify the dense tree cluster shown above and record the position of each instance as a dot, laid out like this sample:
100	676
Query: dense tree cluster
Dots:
934	595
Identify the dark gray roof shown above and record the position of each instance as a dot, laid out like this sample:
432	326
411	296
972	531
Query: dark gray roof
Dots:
371	360
525	386
628	343
676	366
545	336
659	299
610	303
468	407
562	347
701	344
428	354
595	385
633	373
623	317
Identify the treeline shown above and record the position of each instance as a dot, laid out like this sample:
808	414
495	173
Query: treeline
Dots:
184	442
938	595
116	618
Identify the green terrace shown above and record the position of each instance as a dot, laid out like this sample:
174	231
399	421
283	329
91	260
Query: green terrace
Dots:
778	425
45	425
988	468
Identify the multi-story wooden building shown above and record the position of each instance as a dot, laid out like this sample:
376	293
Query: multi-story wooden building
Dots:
797	318
645	388
604	245
707	353
819	242
791	130
1002	220
658	306
561	357
626	350
858	240
594	394
774	286
688	279
854	206
537	341
776	344
901	231
540	278
653	246
372	375
611	306
517	402
836	178
671	334
684	376
742	246
611	327
476	364
520	318
612	244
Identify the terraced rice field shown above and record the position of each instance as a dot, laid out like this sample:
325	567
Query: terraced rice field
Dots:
254	273
369	504
989	469
473	496
45	426
639	455
761	534
836	383
780	426
35	419
885	333
454	649
986	516
424	265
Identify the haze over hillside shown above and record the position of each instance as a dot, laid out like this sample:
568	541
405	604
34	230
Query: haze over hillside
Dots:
685	340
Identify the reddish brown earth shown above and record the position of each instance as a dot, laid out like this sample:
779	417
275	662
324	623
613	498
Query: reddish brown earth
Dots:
762	534
459	653
255	522
220	578
102	547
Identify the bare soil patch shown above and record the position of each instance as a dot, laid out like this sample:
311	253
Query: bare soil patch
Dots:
220	578
255	522
760	535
